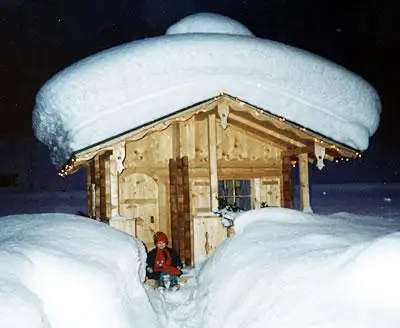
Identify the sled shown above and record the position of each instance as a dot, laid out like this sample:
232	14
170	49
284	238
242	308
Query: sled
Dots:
154	284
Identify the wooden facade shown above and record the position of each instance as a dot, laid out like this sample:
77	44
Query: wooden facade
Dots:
168	173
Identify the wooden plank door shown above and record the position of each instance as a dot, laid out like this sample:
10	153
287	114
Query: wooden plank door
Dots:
180	208
139	200
270	193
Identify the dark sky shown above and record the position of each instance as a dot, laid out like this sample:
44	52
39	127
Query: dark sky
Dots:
40	37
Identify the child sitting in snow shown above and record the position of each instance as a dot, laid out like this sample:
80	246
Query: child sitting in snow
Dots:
163	262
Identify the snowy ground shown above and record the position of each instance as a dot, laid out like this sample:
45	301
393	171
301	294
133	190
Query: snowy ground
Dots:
338	267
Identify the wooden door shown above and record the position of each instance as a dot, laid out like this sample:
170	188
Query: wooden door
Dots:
139	200
270	194
180	208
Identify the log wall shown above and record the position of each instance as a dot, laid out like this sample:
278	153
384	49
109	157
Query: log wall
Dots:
142	191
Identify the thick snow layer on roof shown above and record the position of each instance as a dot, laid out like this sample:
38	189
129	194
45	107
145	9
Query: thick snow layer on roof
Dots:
60	270
133	84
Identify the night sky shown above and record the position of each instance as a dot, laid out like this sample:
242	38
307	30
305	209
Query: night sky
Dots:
40	37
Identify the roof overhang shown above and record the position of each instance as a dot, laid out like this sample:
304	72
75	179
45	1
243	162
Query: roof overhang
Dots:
293	138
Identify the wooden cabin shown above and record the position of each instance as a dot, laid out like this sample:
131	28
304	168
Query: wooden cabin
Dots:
172	174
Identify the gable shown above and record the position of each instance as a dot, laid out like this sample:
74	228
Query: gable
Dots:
257	123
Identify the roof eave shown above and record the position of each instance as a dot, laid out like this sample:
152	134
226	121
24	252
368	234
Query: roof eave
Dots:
81	157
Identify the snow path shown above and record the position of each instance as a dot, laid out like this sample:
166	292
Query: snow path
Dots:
176	309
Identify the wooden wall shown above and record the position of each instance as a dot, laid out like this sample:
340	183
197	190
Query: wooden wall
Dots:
143	191
98	187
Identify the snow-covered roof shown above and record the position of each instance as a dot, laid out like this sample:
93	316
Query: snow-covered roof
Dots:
136	83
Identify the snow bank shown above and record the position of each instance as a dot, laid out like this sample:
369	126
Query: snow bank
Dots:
285	268
133	84
61	270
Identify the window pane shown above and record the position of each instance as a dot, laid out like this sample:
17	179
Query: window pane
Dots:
245	188
244	203
235	192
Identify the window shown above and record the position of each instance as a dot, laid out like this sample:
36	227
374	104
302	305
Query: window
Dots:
236	192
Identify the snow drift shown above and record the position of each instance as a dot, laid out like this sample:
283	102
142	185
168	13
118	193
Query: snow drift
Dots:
283	269
60	270
290	269
133	84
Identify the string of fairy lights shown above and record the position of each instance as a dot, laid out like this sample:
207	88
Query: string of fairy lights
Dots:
70	165
282	118
67	167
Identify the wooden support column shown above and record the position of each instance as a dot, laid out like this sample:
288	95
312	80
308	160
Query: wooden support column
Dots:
105	186
286	184
97	182
256	192
212	157
114	187
174	209
186	217
104	203
180	208
90	191
176	140
304	182
164	205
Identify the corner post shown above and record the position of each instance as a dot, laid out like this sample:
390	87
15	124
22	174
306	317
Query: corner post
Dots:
304	182
212	156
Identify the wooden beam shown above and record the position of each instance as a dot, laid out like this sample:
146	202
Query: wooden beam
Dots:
174	208
139	133
141	201
282	125
286	183
245	174
107	187
298	150
164	204
256	164
304	182
305	150
93	188
258	127
89	191
271	122
186	215
224	173
212	156
105	204
114	187
256	192
176	140
97	182
259	136
280	131
260	133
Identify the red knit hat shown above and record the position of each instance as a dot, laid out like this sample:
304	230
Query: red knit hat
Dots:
160	236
